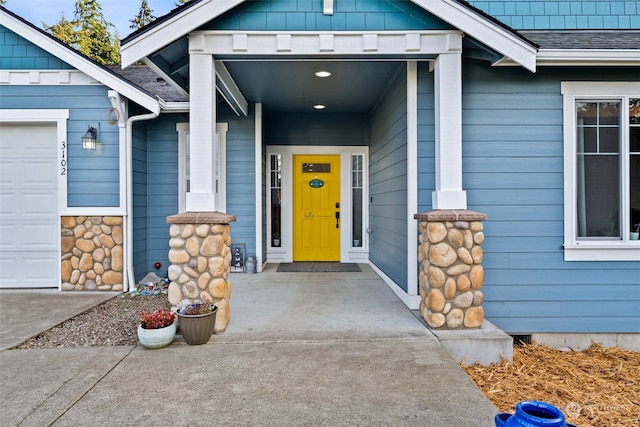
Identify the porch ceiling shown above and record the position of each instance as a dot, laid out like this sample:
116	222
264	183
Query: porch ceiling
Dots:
293	87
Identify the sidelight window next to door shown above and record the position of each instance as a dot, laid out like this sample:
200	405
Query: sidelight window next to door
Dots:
320	225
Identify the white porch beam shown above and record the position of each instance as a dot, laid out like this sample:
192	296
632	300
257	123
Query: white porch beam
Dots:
202	162
293	43
167	77
230	90
448	126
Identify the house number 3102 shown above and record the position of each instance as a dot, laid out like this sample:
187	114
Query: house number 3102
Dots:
63	158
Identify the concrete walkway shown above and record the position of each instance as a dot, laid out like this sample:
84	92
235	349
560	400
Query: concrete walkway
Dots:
321	349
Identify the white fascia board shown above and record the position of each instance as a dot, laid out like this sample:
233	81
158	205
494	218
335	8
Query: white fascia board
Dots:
583	57
173	28
483	30
79	61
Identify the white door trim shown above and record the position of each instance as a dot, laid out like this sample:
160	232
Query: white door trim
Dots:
347	254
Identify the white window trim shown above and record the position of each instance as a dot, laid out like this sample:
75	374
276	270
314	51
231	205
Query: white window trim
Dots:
585	250
221	193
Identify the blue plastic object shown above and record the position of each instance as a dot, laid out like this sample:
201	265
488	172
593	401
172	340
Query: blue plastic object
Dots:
532	413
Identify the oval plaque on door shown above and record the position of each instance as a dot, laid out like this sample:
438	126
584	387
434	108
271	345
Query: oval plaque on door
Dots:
316	183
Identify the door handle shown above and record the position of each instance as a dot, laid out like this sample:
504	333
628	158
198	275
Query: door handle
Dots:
337	219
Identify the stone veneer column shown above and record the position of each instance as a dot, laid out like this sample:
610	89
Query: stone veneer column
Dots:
451	272
200	257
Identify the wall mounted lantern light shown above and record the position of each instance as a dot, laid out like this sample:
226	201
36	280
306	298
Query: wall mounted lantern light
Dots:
90	138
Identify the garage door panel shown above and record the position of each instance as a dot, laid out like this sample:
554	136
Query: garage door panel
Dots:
8	272
8	237
29	173
7	207
32	236
38	204
25	237
37	270
40	273
7	172
32	139
39	173
29	224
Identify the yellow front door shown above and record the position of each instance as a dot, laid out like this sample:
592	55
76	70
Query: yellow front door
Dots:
316	208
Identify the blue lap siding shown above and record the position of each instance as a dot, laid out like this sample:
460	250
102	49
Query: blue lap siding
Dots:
513	171
140	202
241	178
155	181
93	176
388	182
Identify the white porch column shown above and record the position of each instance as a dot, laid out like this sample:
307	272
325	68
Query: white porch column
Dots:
448	126
202	138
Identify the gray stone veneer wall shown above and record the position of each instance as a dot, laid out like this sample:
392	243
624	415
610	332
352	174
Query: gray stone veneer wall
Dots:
200	256
451	273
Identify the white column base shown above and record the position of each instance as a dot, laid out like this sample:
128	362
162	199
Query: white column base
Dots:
200	202
449	200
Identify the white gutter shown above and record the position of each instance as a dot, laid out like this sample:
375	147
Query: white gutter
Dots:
116	102
583	58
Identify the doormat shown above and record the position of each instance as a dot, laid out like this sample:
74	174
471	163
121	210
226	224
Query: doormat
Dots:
317	267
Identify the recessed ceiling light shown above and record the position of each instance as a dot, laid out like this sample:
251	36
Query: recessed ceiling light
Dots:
319	107
323	74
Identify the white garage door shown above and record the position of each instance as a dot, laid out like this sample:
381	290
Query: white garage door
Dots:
29	232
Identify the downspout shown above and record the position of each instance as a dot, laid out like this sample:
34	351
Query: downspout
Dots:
117	103
131	278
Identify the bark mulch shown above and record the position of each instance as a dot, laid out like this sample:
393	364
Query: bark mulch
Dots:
596	387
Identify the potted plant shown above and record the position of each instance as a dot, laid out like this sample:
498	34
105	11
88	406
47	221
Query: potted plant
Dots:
611	225
197	321
157	329
276	239
356	241
635	232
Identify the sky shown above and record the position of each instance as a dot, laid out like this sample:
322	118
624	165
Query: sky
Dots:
118	12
